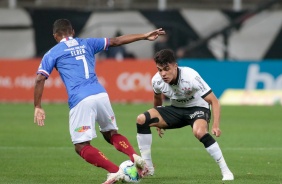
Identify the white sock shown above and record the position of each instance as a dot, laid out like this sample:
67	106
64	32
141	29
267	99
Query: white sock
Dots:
215	152
144	144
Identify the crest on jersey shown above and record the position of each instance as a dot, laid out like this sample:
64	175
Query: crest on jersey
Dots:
187	91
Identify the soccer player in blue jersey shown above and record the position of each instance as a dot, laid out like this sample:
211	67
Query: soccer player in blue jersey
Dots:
74	58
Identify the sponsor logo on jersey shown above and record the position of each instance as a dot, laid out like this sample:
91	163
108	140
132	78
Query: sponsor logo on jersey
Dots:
201	85
184	100
154	83
182	80
82	129
177	94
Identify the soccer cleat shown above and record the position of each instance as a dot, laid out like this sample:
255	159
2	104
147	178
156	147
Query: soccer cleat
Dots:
115	177
141	165
227	176
151	171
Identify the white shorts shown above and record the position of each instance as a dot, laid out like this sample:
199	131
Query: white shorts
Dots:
82	118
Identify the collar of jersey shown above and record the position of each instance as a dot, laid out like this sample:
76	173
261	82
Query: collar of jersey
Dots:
65	39
177	78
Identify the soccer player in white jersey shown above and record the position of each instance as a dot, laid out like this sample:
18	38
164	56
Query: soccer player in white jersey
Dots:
74	58
190	98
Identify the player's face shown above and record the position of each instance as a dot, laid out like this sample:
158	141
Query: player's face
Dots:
168	72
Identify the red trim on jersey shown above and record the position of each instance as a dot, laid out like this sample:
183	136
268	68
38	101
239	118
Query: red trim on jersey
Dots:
107	43
66	39
43	73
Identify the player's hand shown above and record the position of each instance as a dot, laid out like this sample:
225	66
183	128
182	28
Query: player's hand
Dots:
160	132
153	35
39	116
216	131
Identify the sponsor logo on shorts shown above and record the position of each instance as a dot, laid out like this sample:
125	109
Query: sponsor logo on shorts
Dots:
111	119
82	129
197	114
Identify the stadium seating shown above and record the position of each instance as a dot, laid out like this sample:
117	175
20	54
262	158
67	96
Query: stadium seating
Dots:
130	4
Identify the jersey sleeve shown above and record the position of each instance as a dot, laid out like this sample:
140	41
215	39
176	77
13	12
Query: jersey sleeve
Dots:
155	86
201	86
46	66
98	44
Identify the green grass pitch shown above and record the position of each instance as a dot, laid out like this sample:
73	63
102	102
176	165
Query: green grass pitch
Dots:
251	142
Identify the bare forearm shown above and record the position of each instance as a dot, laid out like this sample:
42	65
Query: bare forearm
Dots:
125	39
158	100
38	91
214	102
216	113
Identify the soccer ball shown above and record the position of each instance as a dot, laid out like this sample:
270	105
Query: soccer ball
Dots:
130	171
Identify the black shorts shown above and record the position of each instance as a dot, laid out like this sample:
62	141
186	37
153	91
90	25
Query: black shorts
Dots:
177	117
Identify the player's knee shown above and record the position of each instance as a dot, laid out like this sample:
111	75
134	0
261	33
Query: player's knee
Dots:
108	135
200	128
142	123
198	133
141	119
77	150
78	147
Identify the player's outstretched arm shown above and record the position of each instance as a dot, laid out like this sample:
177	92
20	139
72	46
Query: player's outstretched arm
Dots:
211	99
125	39
153	35
39	113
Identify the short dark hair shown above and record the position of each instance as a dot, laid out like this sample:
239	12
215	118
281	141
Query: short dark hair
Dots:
62	26
165	57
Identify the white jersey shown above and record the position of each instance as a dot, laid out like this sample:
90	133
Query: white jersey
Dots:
189	90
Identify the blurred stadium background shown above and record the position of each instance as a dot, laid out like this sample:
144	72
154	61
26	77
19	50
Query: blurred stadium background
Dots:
234	44
132	4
